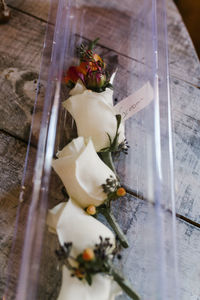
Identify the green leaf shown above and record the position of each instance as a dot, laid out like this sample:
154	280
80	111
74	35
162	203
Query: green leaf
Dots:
107	149
113	144
109	85
110	140
107	159
119	119
88	278
93	44
125	285
115	226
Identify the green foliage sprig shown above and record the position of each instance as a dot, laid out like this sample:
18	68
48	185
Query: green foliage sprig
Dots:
94	261
113	190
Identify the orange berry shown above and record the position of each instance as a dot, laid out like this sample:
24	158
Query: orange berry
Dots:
88	254
121	192
91	210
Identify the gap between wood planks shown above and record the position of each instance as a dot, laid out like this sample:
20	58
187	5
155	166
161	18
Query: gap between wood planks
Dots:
139	196
187	82
76	34
26	13
17	137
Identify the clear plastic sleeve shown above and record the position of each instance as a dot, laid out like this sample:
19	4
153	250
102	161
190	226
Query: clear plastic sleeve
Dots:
132	40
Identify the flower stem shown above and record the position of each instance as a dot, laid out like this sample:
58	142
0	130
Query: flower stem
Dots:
115	226
125	285
107	159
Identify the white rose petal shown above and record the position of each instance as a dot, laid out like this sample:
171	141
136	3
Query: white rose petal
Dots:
78	89
73	224
82	172
54	215
94	115
102	288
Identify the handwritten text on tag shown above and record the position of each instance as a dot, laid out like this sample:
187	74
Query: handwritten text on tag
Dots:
135	102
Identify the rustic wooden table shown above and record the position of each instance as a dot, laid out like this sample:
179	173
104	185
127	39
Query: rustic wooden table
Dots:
21	42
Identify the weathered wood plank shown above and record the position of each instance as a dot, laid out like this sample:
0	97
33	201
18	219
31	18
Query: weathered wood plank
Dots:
12	157
18	80
183	60
17	44
185	99
41	10
186	140
133	215
19	67
186	128
185	134
139	262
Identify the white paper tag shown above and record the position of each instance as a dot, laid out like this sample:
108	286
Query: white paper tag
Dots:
135	102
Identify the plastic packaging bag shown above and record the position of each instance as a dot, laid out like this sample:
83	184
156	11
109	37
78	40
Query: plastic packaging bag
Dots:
133	42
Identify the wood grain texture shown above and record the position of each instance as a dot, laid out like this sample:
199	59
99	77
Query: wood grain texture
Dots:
186	127
21	84
12	157
183	60
39	10
12	160
20	54
132	214
137	220
19	67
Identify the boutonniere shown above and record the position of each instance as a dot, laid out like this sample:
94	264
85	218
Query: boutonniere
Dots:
89	181
91	262
91	99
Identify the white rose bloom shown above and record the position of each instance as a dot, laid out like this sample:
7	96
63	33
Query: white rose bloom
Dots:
82	172
94	115
73	224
